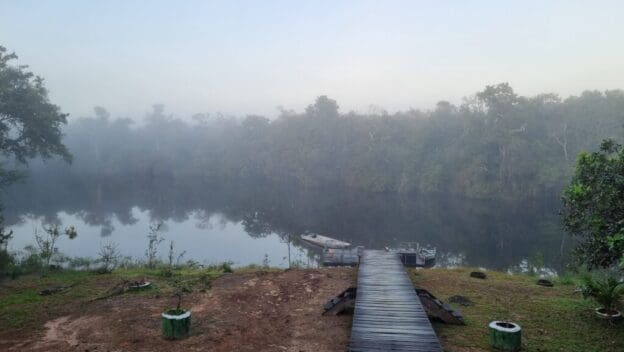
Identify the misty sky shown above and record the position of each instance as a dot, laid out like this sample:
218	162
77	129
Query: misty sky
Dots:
251	57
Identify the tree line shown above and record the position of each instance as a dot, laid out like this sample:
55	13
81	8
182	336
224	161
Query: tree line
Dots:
496	144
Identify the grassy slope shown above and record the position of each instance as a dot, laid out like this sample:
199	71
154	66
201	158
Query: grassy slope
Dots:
552	318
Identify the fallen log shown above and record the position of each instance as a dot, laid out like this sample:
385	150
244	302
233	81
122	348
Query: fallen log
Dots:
54	289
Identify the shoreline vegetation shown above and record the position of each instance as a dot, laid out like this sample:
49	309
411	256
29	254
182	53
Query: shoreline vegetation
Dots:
552	318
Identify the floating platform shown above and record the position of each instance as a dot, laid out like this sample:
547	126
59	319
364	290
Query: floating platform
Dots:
351	257
413	255
415	259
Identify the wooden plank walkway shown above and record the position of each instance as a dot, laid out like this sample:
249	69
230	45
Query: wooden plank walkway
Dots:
388	315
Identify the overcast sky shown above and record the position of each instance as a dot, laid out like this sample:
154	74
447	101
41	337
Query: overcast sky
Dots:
251	57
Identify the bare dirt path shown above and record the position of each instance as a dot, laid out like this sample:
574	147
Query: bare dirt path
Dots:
259	311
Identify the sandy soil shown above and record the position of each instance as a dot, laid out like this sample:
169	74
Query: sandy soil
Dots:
262	311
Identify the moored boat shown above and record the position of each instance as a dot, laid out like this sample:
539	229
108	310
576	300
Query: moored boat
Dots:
324	241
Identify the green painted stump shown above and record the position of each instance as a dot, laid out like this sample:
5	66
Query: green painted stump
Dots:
176	324
505	335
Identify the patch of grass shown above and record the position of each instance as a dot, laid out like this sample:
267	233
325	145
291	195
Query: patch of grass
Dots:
25	297
21	306
552	318
15	309
568	279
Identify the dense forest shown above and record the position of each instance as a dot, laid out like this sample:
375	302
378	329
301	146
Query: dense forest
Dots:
495	145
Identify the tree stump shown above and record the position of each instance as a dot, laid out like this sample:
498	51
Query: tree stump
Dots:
505	335
176	324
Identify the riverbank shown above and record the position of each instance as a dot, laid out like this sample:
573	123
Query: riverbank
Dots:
278	310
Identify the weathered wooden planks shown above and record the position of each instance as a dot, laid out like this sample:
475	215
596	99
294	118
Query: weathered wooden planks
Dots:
388	314
341	257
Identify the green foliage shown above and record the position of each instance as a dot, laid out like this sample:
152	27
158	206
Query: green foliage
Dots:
81	263
7	264
46	244
7	260
166	272
266	263
593	208
31	263
30	125
226	267
153	240
605	287
535	263
109	256
496	145
569	278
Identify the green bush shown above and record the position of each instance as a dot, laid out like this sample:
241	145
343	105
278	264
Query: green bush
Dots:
605	287
7	264
567	278
226	267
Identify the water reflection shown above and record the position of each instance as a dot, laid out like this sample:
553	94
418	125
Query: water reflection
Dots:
242	225
204	239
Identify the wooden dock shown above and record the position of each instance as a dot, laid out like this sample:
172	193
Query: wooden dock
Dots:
388	314
341	257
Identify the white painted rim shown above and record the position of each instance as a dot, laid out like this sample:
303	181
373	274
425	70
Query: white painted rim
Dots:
603	315
493	325
145	284
177	317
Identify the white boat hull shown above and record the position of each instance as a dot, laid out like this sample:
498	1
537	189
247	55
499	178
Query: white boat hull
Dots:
325	242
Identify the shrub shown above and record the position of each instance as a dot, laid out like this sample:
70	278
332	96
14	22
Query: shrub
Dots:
605	287
46	244
226	267
7	260
153	240
109	256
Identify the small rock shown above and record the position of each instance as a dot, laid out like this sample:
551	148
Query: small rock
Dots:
478	275
461	300
544	282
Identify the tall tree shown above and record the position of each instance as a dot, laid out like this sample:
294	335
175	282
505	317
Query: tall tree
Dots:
30	125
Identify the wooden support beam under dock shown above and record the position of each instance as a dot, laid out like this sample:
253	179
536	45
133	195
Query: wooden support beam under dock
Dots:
388	314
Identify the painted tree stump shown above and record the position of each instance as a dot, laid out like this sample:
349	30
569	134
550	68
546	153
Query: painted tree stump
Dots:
176	324
505	335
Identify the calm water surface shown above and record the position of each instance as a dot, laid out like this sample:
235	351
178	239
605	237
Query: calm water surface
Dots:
212	240
244	226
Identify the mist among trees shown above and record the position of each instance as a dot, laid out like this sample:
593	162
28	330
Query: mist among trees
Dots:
496	145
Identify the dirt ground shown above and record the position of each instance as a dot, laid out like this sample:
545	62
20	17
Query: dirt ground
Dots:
259	311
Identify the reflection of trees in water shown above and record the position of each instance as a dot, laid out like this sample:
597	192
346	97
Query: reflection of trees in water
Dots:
208	221
494	234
